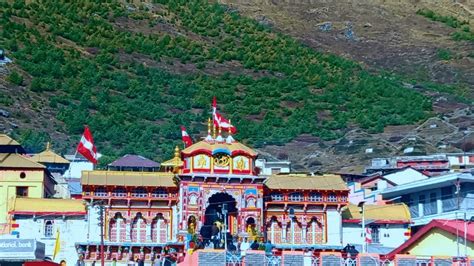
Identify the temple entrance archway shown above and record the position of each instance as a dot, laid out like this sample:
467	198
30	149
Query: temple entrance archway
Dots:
214	216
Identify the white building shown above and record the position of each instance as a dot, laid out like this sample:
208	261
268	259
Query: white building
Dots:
389	226
442	197
273	167
43	219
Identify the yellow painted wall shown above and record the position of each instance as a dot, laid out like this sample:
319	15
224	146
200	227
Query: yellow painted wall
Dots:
439	243
10	179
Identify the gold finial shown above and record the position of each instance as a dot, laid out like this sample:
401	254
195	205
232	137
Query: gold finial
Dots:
220	130
209	126
176	152
230	125
214	130
48	146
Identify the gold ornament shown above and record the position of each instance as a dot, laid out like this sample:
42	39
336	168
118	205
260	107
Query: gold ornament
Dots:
222	160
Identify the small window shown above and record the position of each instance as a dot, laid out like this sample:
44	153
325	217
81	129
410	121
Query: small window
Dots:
22	175
296	196
48	229
22	191
344	198
139	193
119	192
375	233
316	197
159	193
332	197
277	196
100	192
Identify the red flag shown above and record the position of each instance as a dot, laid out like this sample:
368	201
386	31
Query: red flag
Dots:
368	235
186	138
219	120
86	146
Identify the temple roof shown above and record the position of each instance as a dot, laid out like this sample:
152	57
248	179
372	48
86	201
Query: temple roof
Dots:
48	156
175	161
306	182
233	148
128	178
131	160
378	213
30	206
7	141
9	145
15	160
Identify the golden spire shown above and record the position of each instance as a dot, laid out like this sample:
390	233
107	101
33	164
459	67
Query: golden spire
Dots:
176	152
214	130
48	146
209	126
229	130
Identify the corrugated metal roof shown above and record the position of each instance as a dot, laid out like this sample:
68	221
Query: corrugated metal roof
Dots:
389	212
128	178
45	206
15	160
306	182
7	141
131	160
48	156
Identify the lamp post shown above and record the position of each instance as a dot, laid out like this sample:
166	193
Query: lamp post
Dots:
362	212
291	212
224	211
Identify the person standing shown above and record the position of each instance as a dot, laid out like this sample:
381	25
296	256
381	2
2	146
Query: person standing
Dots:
244	246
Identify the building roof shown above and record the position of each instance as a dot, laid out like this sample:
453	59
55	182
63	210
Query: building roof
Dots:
9	145
5	140
390	213
48	156
211	148
30	206
455	227
430	183
131	160
306	182
128	178
175	161
74	185
15	160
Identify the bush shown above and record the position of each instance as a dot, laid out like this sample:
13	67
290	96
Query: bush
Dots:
15	78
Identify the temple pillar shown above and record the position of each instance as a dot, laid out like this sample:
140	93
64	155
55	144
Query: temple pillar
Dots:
148	232
128	231
283	234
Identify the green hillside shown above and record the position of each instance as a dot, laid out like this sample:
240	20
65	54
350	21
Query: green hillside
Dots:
135	73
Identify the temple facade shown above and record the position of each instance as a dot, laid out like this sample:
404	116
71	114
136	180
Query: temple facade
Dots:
212	185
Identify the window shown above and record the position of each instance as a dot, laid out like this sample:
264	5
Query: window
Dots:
119	192
22	191
431	207
316	197
332	197
22	175
448	200
48	229
100	192
344	198
277	197
296	196
139	193
375	233
159	193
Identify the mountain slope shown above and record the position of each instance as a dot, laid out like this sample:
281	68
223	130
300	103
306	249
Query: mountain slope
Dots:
135	72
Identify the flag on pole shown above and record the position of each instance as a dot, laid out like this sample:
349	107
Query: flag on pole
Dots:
57	245
86	146
368	235
185	137
219	120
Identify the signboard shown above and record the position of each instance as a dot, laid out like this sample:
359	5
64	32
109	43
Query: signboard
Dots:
405	260
294	258
254	258
21	249
330	259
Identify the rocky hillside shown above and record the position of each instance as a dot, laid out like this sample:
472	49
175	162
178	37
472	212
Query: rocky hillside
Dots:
134	72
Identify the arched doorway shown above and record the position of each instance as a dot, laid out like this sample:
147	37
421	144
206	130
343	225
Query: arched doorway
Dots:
214	216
